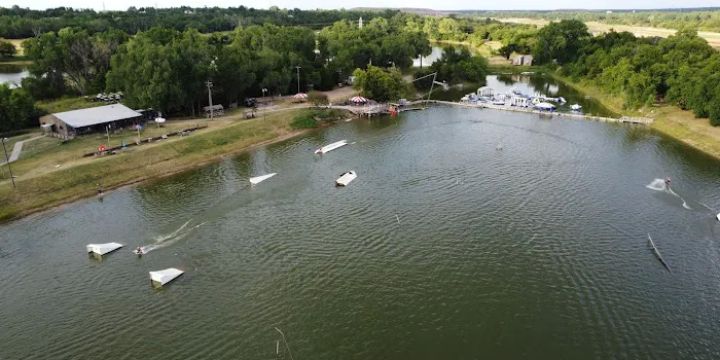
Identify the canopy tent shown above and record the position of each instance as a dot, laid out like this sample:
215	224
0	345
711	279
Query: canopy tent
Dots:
358	100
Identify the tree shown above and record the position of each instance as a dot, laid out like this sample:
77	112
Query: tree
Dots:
561	41
379	84
17	109
7	49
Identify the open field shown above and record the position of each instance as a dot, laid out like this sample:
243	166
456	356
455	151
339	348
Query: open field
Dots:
52	173
18	45
713	38
684	126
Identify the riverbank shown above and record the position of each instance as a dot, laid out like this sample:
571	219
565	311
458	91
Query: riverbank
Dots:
165	158
668	120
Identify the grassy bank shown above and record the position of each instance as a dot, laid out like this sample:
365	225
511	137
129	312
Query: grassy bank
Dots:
669	120
69	183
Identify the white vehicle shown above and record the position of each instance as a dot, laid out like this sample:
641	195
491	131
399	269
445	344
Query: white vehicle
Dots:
346	178
258	179
575	107
162	277
331	147
102	249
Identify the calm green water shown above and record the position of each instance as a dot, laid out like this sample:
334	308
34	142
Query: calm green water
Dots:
535	251
12	75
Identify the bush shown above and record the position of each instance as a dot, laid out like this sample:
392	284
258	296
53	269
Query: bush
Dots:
317	98
304	120
7	49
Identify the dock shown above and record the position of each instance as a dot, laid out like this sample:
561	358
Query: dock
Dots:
382	109
624	119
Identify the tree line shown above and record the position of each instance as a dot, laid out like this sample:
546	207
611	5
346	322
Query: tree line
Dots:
20	23
167	69
682	69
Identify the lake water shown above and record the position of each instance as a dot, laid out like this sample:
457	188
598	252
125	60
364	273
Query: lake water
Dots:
12	75
442	248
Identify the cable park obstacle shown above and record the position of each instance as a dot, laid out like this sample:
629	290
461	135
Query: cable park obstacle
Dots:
657	253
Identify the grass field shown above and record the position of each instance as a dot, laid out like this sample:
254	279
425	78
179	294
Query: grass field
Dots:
52	173
595	27
18	45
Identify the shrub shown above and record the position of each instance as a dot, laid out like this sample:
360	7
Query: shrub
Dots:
317	98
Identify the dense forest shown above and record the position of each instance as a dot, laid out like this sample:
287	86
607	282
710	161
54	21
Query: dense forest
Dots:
167	69
682	69
20	23
707	19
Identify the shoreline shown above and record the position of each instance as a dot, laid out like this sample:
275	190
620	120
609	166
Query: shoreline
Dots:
668	120
137	181
52	190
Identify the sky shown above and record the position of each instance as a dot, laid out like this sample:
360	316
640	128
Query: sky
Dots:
326	4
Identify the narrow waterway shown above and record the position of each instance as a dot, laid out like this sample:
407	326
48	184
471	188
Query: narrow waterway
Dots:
443	247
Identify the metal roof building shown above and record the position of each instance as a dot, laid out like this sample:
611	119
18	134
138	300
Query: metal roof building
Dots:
69	124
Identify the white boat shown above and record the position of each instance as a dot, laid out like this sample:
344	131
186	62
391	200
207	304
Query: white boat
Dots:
545	106
258	179
346	178
102	249
718	217
162	277
330	147
575	107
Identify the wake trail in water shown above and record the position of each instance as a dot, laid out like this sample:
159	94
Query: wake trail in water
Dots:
660	185
165	240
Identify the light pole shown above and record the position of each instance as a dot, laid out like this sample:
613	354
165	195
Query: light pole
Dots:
298	78
209	87
7	161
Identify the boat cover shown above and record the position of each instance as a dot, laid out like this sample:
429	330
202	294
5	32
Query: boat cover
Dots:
102	249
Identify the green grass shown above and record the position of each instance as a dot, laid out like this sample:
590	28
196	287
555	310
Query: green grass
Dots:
313	118
42	188
67	104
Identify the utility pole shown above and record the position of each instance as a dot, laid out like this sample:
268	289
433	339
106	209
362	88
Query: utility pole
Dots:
209	86
298	78
7	161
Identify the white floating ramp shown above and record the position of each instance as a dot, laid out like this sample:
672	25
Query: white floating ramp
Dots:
162	277
346	178
331	147
259	179
102	249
